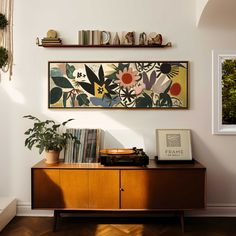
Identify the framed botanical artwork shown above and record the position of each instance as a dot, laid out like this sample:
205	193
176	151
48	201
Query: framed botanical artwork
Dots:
130	85
173	145
224	92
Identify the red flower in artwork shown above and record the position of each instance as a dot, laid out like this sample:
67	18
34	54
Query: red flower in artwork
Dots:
175	89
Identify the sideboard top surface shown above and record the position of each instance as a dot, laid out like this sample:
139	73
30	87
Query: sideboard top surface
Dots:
152	165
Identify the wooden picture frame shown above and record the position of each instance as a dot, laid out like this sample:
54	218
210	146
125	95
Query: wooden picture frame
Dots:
173	145
223	90
122	85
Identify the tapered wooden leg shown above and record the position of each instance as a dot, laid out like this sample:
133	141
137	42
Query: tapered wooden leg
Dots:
56	216
182	220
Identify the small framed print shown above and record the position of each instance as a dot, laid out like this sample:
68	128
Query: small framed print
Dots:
173	145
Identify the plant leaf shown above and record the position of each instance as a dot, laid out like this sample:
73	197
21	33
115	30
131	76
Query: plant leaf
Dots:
101	75
144	101
83	99
62	82
72	100
91	76
55	95
69	71
65	122
65	94
87	87
122	66
55	72
165	100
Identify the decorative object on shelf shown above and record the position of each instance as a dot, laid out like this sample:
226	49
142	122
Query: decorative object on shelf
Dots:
89	37
6	39
173	145
129	38
224	96
143	39
105	46
51	39
136	84
47	136
52	34
37	41
116	40
97	38
105	37
154	39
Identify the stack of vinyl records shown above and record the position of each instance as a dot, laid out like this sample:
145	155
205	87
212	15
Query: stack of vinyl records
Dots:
87	151
51	41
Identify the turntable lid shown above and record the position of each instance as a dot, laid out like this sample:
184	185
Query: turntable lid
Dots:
116	151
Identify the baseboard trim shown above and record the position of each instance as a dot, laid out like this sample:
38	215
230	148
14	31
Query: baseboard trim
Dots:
212	210
24	209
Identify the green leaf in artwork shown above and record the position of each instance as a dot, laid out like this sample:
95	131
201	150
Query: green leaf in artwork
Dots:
82	99
122	66
55	72
65	95
119	67
62	82
55	95
69	71
144	101
112	76
165	100
92	76
72	100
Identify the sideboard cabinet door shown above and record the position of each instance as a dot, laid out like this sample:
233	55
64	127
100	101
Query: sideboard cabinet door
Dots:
46	192
163	189
104	189
74	187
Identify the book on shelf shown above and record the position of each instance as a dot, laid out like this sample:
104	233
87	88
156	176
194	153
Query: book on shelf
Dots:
89	37
51	41
87	151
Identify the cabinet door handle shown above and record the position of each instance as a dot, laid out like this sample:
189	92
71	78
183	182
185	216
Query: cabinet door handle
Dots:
122	190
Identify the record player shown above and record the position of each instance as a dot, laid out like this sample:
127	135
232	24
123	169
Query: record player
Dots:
123	157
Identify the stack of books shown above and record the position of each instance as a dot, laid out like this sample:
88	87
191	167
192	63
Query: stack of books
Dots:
51	41
87	151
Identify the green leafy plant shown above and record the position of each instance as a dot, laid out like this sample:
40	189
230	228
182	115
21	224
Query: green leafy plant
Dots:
3	21
3	56
47	135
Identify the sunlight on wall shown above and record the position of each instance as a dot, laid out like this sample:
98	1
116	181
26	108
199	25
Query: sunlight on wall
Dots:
13	93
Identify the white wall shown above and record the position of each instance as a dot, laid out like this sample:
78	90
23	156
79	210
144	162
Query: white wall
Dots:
27	92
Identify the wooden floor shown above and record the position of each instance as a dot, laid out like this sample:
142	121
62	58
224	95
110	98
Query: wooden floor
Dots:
76	226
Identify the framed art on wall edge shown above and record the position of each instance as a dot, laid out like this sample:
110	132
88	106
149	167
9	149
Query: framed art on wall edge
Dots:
173	145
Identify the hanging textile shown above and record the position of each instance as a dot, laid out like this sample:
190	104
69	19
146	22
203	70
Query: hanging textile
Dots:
6	37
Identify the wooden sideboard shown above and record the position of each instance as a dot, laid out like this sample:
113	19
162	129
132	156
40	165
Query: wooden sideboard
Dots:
157	187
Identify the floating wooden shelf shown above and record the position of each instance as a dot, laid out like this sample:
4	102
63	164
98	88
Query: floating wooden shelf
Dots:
104	46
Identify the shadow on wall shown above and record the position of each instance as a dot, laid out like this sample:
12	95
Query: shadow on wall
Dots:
130	138
218	176
110	141
218	14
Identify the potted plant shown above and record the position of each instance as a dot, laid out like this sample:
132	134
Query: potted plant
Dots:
47	136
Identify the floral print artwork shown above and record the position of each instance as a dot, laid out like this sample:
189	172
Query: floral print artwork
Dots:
156	84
